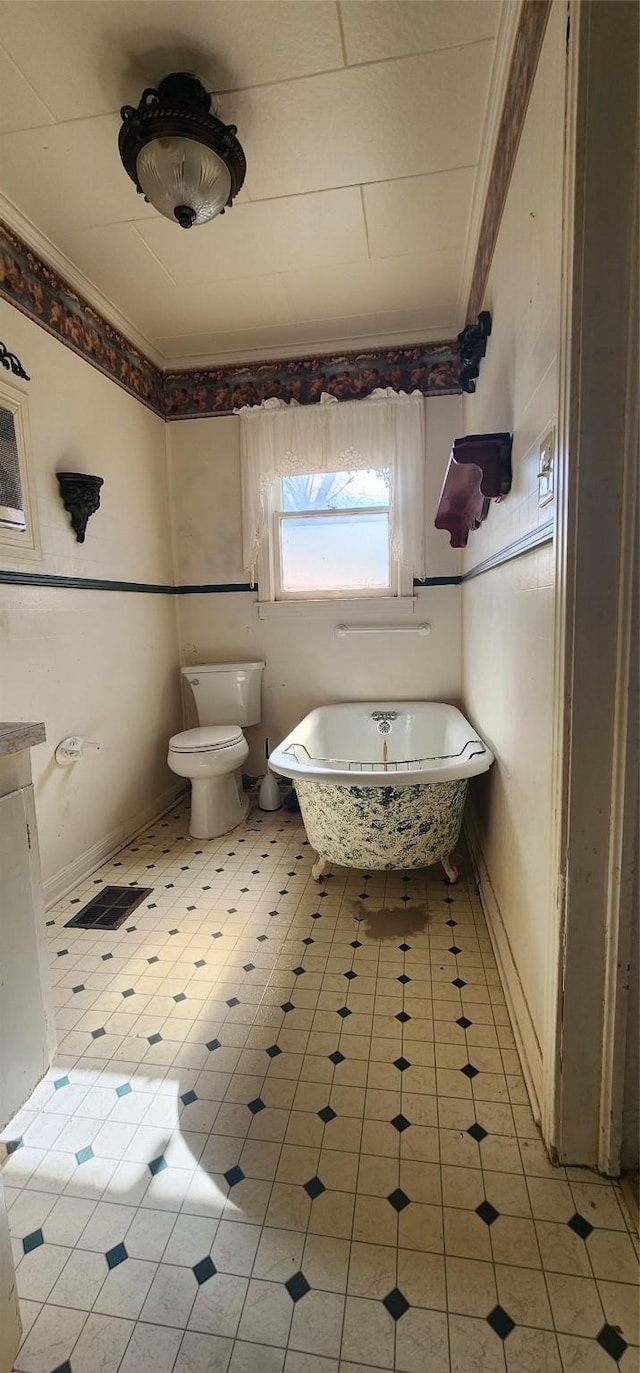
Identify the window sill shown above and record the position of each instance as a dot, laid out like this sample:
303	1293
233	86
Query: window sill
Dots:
362	608
11	552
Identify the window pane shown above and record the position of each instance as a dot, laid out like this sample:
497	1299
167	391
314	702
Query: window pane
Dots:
344	553
11	511
335	490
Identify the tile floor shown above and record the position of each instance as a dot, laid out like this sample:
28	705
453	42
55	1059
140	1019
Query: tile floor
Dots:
286	1129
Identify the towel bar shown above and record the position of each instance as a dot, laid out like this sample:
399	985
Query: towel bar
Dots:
343	630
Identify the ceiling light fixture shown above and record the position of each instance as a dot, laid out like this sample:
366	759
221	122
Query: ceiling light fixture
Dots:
185	161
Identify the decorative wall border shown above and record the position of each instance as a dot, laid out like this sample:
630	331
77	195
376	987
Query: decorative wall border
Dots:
535	538
433	368
46	298
40	293
524	61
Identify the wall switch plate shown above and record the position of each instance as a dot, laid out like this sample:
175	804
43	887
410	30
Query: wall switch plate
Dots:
546	468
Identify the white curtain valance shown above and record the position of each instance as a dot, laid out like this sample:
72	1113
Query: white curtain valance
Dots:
385	432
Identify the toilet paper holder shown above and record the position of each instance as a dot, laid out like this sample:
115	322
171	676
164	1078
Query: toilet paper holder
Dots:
71	750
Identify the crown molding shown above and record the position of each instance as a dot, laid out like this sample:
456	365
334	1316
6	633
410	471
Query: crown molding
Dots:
38	242
26	230
500	71
365	342
45	296
33	240
527	46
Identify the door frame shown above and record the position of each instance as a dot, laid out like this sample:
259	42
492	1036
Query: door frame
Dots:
594	777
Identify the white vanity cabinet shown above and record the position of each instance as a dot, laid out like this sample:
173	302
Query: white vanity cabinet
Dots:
27	1032
26	1016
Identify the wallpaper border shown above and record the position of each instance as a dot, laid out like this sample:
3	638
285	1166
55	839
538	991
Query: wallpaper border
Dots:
46	298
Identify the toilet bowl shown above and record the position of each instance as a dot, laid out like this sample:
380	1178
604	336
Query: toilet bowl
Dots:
226	696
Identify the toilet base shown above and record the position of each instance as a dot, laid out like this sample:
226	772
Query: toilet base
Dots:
218	804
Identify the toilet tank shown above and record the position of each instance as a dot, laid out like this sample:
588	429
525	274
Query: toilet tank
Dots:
225	693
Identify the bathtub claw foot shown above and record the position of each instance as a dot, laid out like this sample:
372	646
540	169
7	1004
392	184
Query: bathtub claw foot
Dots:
320	869
451	872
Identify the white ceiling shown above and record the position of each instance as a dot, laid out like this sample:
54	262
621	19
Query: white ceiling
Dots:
362	124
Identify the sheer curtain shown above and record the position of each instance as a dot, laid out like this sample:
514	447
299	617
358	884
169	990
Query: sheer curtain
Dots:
385	432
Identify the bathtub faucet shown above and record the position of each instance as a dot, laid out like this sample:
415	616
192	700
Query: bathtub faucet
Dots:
385	714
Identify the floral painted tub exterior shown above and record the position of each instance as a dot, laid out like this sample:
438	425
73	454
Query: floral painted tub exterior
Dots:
383	827
382	786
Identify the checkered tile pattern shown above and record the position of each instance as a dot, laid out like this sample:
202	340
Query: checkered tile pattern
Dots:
287	1131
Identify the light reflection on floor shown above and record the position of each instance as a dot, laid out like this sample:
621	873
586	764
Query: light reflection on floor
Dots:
287	1129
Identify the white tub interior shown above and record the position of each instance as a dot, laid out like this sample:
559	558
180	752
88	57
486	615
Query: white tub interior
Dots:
427	741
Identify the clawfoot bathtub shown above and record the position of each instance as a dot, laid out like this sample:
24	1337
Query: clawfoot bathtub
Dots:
382	786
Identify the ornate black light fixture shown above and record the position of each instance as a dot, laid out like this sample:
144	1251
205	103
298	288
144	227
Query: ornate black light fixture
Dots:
185	161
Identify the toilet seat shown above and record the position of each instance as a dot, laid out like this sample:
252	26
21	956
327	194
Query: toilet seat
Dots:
207	739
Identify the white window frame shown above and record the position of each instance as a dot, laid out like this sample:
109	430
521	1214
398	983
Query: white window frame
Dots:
272	600
21	543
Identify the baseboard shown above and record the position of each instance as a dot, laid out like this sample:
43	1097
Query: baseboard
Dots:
629	1185
524	1033
62	882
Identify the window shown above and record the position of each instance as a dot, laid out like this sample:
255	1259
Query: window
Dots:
331	535
333	502
18	532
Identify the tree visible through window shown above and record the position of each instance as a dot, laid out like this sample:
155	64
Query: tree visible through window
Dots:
333	534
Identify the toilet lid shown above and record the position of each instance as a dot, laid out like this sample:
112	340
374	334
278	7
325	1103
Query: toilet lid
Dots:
205	739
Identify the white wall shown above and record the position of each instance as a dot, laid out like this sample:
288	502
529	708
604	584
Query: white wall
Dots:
99	664
508	613
103	664
306	664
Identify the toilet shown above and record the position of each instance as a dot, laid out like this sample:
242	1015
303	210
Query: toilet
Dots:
225	697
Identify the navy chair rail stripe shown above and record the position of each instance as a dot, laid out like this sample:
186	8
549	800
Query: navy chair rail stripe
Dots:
535	538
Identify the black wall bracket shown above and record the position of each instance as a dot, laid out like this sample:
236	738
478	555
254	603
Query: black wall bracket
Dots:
80	497
11	362
473	346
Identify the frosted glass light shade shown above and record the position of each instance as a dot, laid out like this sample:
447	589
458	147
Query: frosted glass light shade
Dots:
179	172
